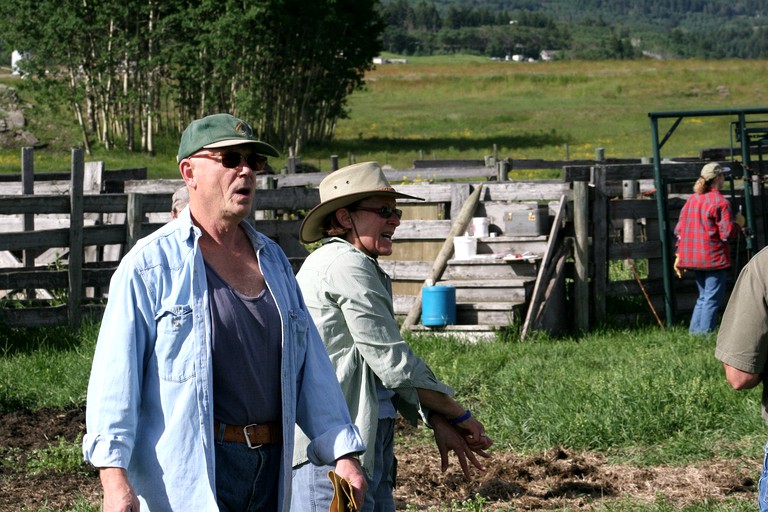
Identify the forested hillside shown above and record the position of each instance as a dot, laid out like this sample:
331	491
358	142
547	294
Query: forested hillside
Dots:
579	29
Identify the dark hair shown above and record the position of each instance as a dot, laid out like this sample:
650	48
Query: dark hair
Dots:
331	225
702	185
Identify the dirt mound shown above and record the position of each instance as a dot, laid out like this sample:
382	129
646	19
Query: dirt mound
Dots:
555	479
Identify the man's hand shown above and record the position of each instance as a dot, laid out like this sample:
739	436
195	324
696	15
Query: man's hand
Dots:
740	220
449	438
349	467
119	495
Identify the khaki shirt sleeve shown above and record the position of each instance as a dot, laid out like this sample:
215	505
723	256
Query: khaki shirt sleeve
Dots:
742	340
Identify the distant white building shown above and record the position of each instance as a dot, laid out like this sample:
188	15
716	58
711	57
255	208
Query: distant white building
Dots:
548	54
382	60
15	58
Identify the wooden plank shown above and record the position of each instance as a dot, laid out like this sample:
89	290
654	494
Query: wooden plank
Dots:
539	286
400	270
422	230
535	191
638	171
552	309
511	282
640	208
51	279
58	204
599	243
76	256
109	175
635	250
34	240
396	176
48	316
420	164
14	205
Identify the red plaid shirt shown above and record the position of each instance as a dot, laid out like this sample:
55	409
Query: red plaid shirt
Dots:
703	230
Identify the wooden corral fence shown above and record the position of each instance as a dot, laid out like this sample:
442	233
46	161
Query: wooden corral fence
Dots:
622	230
546	263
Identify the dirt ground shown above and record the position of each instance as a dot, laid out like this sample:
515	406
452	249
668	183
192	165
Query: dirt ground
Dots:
556	479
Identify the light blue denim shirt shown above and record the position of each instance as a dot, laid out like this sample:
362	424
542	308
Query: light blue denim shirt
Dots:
350	299
150	393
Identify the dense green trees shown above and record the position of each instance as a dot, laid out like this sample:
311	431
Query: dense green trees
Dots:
128	69
579	29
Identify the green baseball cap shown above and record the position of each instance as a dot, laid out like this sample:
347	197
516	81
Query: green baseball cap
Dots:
219	131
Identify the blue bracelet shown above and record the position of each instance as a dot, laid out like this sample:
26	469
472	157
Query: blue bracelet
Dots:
459	419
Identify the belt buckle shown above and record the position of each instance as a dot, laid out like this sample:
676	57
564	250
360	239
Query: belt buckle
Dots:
248	437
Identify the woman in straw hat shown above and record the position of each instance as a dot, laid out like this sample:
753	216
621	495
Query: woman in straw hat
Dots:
350	299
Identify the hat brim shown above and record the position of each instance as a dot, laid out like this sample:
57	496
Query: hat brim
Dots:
262	148
312	226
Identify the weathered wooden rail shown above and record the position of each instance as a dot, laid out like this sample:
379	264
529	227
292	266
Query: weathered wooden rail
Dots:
66	240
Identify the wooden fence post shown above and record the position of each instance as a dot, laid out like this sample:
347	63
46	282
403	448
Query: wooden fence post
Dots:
28	188
502	170
581	254
334	163
600	243
292	164
76	239
133	220
93	183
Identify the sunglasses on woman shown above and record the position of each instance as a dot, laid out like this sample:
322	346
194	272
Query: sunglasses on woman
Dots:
232	159
384	212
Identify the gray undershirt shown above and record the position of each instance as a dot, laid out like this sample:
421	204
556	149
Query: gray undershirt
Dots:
246	344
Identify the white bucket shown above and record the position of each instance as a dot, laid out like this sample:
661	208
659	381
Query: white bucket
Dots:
480	226
464	247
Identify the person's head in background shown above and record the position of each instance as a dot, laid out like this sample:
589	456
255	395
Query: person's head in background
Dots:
179	200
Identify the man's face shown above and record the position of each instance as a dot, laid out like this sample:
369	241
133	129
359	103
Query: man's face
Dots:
225	180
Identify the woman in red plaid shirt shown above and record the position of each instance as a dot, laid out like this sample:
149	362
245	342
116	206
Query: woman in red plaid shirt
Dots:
706	224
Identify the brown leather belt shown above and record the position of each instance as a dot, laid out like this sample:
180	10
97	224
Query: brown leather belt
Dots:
253	435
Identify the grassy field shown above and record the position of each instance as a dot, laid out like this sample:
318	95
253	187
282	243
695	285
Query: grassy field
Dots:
463	107
645	397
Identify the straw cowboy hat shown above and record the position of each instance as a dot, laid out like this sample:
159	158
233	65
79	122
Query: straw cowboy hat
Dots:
342	188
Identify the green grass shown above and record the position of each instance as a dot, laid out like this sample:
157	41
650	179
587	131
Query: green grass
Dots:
463	107
44	367
645	396
641	396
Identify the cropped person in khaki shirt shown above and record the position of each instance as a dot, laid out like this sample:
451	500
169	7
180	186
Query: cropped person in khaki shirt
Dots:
350	299
742	342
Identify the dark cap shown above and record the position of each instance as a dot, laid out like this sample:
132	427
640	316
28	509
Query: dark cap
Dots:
219	131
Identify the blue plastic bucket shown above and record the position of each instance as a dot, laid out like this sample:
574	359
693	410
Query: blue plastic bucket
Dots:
438	306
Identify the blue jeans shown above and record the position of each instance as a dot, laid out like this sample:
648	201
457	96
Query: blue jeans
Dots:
762	486
711	284
312	490
247	480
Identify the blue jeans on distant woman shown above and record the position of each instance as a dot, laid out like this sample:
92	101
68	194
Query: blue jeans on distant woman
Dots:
711	284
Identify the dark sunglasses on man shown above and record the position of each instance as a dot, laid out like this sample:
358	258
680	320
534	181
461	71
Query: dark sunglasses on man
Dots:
232	159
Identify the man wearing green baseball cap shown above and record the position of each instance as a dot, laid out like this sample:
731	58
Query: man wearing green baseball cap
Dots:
208	358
